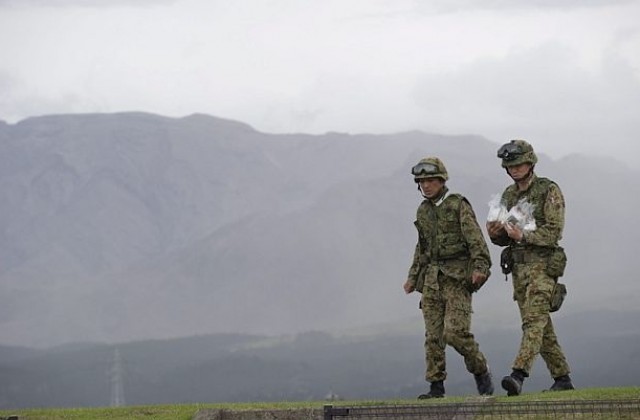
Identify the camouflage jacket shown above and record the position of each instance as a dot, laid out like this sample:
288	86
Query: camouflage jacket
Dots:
548	212
449	239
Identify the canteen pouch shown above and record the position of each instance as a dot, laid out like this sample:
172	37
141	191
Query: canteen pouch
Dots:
557	296
506	260
557	263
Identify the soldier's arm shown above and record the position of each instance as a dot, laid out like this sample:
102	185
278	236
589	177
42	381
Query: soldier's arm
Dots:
478	250
549	232
412	277
497	234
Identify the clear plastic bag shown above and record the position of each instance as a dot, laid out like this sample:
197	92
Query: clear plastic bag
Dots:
497	210
521	214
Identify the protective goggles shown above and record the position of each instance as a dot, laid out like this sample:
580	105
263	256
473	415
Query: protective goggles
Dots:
510	151
425	168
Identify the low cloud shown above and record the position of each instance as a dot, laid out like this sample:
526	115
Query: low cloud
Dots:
467	5
19	101
543	91
82	3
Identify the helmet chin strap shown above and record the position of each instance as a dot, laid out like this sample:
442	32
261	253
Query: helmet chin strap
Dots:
441	196
529	173
421	192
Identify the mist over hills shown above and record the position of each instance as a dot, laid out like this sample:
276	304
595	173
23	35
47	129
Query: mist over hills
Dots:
133	226
304	367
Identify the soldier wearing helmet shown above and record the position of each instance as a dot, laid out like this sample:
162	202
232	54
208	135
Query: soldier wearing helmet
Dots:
517	152
533	263
450	262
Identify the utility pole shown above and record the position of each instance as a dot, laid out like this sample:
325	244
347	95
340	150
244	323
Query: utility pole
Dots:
116	379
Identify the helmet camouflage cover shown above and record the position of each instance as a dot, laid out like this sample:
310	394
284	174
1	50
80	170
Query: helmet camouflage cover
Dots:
517	152
429	167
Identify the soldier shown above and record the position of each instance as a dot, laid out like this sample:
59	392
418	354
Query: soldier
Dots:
534	254
450	262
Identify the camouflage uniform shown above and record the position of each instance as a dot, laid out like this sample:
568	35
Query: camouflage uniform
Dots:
450	247
532	286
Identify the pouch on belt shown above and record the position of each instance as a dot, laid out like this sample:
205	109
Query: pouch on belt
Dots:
557	296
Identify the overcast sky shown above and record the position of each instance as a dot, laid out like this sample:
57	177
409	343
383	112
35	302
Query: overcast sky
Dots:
564	74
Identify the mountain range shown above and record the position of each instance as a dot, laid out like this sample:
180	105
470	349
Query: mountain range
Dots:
310	366
131	226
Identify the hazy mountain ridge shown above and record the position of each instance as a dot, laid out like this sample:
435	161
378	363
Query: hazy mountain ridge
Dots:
307	366
127	226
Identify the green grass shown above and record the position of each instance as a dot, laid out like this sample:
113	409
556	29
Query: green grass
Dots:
581	394
187	411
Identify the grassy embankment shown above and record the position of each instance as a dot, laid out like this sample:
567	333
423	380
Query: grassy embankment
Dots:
187	411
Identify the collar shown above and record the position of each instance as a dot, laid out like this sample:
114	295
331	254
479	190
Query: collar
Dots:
438	200
528	182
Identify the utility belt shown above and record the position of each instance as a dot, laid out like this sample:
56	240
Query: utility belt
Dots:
424	259
526	256
459	261
554	258
456	258
443	261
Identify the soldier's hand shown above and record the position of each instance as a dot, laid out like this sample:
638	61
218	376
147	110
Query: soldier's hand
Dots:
408	287
514	232
495	229
478	278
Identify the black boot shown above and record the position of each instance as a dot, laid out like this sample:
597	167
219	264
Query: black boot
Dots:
513	383
484	383
562	383
436	391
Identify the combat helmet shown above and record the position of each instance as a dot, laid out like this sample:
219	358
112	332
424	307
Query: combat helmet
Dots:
429	167
517	152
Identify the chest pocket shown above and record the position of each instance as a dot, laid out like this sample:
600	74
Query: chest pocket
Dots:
449	226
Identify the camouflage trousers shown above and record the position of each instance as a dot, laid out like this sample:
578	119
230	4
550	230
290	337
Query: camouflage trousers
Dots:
532	289
446	308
